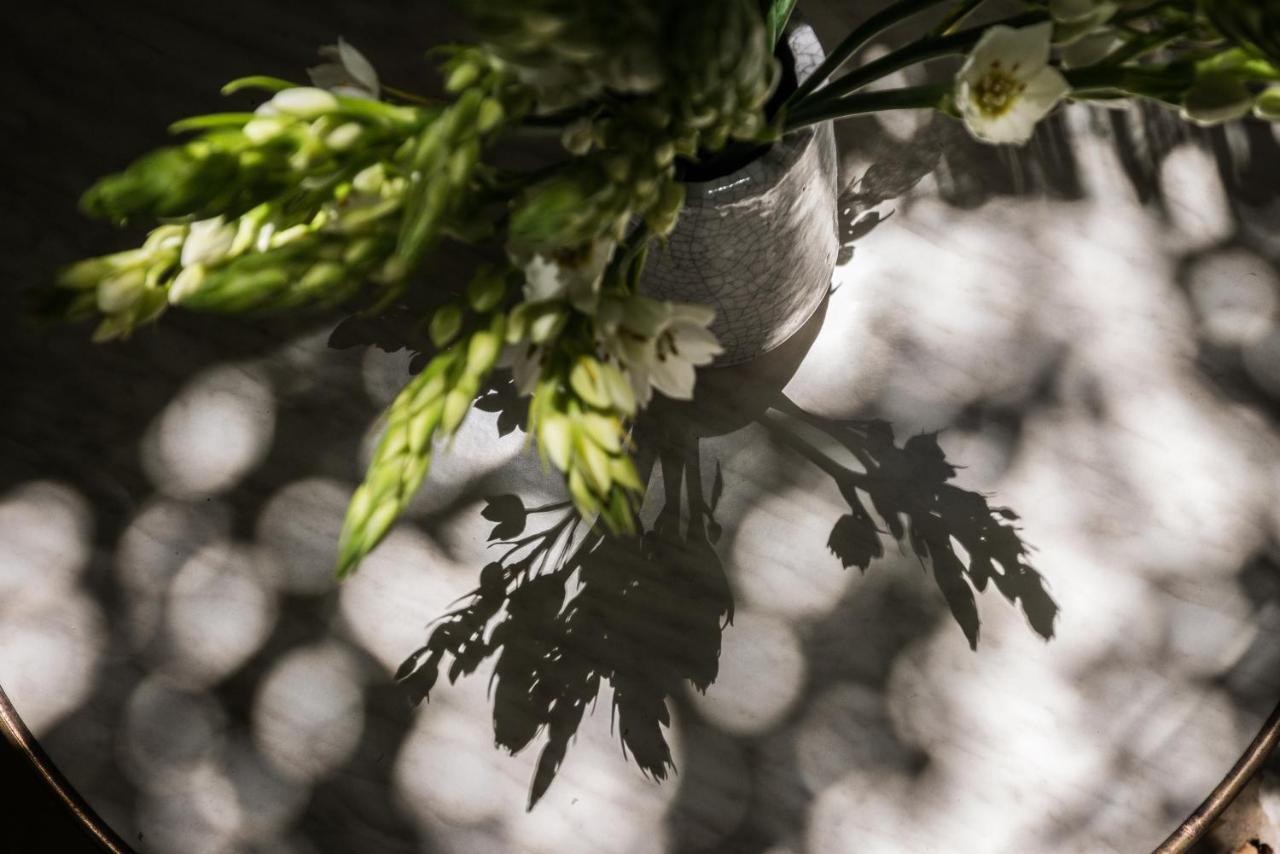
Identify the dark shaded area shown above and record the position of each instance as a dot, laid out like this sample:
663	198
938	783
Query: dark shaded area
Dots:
34	818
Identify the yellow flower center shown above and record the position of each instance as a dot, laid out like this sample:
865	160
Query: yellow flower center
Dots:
997	89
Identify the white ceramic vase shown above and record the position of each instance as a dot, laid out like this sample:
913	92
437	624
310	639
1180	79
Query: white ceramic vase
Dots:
760	243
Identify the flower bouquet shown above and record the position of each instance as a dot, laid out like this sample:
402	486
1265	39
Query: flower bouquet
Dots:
339	193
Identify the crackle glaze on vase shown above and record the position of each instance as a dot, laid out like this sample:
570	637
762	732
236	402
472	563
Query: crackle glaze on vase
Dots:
760	243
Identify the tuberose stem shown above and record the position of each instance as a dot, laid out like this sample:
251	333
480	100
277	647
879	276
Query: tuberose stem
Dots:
863	33
920	51
911	97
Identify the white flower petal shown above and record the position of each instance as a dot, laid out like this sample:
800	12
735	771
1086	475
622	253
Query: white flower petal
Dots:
694	313
358	66
1022	52
306	102
542	280
696	344
1044	91
207	242
673	377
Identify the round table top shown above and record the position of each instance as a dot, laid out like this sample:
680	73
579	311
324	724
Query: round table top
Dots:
981	561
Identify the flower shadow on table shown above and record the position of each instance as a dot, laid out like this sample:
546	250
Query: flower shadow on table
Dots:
565	610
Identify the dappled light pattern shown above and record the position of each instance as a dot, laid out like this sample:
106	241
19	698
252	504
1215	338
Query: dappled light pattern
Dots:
1086	332
209	436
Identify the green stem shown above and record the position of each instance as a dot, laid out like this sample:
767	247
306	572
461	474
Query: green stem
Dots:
1146	82
1141	12
920	51
863	33
1144	45
909	98
955	17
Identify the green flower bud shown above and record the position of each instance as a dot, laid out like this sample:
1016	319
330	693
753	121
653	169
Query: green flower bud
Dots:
547	324
186	283
445	325
369	180
623	471
463	75
422	425
595	464
344	136
486	289
586	503
578	137
490	116
1215	98
588	382
482	351
621	395
555	438
456	405
1267	106
603	430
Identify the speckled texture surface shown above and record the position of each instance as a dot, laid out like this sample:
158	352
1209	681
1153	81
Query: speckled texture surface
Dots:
758	244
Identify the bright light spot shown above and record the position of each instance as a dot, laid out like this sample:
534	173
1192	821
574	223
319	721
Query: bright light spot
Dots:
219	613
448	771
212	434
45	529
49	656
599	802
1262	361
168	733
857	816
159	542
309	712
405	584
385	373
196	813
1270	796
1235	294
790	575
1196	200
762	671
300	525
268	802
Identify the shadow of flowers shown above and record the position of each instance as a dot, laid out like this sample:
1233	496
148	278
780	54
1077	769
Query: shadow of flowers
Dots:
566	608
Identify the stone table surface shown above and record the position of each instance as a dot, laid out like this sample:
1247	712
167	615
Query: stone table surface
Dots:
1084	332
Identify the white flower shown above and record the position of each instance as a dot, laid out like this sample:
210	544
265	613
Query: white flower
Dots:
208	241
304	102
1006	85
660	344
569	275
347	73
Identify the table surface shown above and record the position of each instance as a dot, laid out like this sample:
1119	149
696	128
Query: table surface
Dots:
1084	332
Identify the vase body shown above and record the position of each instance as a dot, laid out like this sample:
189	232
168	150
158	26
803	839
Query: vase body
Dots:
759	244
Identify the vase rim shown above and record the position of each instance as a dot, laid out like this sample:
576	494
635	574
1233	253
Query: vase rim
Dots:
763	172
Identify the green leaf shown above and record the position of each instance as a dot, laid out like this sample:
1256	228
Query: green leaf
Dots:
776	16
